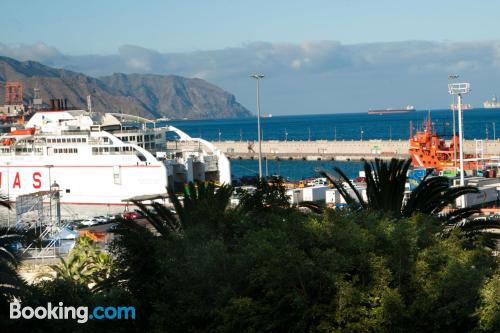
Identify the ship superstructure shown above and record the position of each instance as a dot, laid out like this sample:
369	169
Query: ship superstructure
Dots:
428	150
492	103
97	159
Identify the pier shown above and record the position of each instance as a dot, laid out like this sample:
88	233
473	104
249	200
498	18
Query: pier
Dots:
338	150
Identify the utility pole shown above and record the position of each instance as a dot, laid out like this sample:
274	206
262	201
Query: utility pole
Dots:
258	77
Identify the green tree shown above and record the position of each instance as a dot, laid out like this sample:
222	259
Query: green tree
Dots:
269	194
85	265
489	308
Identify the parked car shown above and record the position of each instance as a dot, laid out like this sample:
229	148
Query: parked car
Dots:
101	219
131	215
89	222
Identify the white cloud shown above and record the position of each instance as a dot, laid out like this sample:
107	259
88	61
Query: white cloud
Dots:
296	64
363	75
37	52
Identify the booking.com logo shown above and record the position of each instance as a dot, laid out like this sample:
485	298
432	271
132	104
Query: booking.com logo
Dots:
80	313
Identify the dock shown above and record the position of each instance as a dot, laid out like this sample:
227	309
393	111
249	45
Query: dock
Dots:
336	150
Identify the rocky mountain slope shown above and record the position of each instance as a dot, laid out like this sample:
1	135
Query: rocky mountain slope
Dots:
144	95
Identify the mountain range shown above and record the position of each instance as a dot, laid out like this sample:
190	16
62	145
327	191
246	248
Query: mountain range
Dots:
145	95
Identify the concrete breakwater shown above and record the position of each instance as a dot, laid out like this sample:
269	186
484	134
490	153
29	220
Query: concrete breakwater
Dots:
338	150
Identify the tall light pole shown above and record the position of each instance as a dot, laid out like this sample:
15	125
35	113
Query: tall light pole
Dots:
258	77
452	107
460	89
50	191
8	192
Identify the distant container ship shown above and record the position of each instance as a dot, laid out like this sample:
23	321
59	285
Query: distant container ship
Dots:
454	107
409	108
492	104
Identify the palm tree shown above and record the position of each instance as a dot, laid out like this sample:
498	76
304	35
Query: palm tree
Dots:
269	194
10	282
85	264
385	188
202	203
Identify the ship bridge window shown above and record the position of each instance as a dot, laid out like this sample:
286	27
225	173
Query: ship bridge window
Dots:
140	138
106	140
23	150
171	136
65	150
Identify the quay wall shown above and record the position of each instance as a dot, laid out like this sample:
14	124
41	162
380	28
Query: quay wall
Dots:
339	150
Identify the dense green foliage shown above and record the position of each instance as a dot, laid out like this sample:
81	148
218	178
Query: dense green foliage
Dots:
265	267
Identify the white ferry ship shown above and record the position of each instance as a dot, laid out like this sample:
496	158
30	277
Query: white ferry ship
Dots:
103	159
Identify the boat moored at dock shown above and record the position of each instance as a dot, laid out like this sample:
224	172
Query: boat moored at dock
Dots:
99	159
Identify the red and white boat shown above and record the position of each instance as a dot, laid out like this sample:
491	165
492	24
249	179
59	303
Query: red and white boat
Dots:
102	158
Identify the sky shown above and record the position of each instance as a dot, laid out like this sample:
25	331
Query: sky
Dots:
318	56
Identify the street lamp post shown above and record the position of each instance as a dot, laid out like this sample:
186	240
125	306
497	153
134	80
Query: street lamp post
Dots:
258	77
55	193
50	195
460	89
451	78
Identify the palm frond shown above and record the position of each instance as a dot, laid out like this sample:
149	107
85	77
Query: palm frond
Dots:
350	201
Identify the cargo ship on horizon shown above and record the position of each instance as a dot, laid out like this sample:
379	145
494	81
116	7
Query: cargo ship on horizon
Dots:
492	103
409	108
465	106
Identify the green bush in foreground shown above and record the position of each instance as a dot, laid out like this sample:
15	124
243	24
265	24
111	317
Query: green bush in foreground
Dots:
268	268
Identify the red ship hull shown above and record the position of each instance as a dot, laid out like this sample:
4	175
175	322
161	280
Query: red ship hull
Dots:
428	150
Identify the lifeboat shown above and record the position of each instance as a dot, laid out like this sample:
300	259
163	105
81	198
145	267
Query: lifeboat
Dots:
26	131
7	142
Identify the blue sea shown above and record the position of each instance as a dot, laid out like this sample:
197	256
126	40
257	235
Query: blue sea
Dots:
478	124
